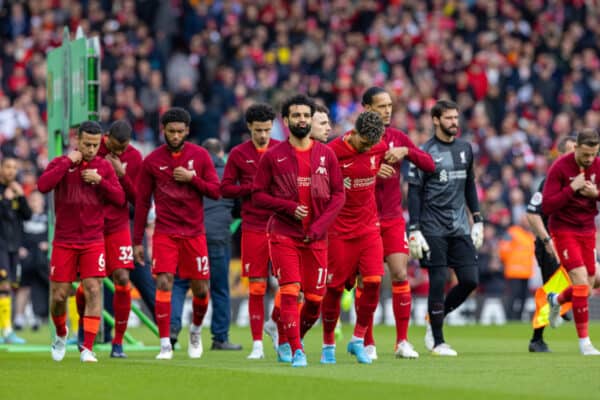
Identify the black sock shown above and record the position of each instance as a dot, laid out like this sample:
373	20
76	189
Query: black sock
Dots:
436	319
538	334
467	282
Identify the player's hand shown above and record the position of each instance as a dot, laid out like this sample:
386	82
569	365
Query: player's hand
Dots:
549	246
301	212
9	193
386	171
417	244
116	163
477	235
16	188
138	254
589	190
396	154
75	156
183	175
91	176
578	182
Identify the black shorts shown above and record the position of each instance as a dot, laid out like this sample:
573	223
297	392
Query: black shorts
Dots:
450	251
10	270
547	263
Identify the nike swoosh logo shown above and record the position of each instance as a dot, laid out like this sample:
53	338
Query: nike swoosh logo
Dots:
438	160
72	169
347	165
249	161
281	159
163	168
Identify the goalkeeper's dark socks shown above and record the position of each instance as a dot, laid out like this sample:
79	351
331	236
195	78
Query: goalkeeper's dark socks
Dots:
436	319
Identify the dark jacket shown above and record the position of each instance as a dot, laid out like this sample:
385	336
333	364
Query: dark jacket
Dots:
12	214
217	213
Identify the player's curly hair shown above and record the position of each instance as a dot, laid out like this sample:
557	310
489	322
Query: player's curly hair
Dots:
369	125
297	100
175	114
260	112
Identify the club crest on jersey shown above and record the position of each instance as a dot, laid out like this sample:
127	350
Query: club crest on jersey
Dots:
321	169
348	182
443	176
190	164
463	157
373	166
124	166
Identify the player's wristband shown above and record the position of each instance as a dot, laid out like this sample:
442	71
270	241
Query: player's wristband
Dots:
477	218
547	239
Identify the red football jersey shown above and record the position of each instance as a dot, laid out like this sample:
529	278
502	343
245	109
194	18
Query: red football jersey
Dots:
237	183
359	170
116	218
79	206
179	205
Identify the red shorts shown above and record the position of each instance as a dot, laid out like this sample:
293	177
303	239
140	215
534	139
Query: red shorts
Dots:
68	260
576	250
185	256
255	254
347	257
295	261
119	252
393	234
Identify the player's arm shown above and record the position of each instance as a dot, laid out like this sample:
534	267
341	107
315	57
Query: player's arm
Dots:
111	188
471	193
231	177
23	209
260	190
207	184
336	184
53	174
555	195
418	157
145	188
128	180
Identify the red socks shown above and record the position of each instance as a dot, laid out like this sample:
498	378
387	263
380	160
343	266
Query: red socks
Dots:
121	306
60	322
162	312
367	303
331	313
580	309
90	329
199	307
256	308
401	303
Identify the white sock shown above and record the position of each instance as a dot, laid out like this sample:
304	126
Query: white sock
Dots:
584	341
195	328
356	338
165	342
257	343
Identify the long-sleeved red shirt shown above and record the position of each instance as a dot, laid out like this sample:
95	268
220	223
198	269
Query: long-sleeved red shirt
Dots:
117	217
388	191
237	183
179	206
276	188
566	209
79	206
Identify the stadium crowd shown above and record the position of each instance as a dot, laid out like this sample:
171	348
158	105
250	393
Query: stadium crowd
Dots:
524	74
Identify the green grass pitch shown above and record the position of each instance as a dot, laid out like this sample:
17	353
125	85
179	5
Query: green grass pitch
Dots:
493	363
